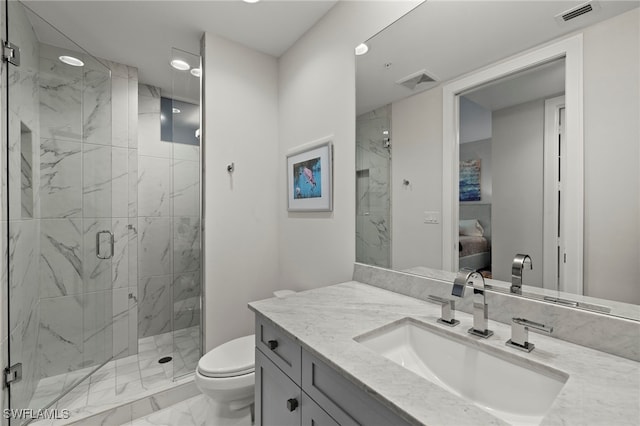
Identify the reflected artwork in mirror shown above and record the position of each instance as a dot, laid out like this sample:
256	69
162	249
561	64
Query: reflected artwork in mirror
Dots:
541	116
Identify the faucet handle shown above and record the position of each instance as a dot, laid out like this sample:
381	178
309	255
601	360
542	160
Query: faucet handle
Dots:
520	333
448	310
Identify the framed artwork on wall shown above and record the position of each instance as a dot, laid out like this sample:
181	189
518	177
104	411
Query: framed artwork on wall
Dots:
470	180
309	178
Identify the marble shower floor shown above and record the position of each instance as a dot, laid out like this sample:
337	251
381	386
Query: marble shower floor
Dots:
125	379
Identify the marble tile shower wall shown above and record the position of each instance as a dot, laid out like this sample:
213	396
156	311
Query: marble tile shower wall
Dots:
373	208
168	225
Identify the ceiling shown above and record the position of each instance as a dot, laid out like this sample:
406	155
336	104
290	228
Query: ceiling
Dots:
142	33
540	82
448	39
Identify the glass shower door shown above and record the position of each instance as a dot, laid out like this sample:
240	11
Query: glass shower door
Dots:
186	176
58	211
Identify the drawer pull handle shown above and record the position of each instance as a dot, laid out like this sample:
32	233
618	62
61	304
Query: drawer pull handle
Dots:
292	404
273	344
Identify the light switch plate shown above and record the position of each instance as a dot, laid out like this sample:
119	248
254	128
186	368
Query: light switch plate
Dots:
431	217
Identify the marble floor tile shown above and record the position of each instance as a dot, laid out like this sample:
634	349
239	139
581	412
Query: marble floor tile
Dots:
129	388
101	395
100	385
127	369
128	377
151	370
125	379
102	375
195	411
154	380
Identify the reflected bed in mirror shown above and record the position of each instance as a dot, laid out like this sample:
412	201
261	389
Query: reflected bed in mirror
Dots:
409	209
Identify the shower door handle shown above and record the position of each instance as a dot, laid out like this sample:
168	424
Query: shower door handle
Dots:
104	245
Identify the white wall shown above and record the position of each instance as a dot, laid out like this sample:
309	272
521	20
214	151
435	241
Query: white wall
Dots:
475	121
612	158
516	214
316	99
417	157
241	226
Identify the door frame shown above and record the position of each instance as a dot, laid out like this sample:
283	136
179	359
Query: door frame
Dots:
571	49
552	275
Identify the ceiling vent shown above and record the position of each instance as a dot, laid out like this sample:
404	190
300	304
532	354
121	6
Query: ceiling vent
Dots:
577	11
417	78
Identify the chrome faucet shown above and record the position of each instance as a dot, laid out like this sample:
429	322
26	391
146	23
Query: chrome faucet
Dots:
516	271
448	315
480	308
520	333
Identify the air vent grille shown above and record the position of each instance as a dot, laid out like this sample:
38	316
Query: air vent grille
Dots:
574	14
577	11
413	80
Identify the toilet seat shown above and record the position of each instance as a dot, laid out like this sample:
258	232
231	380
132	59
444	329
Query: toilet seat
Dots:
231	359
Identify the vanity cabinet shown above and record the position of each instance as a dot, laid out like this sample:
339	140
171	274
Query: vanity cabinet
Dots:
293	387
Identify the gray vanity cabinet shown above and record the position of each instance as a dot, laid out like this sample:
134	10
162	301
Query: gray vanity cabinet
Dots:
277	396
313	415
293	387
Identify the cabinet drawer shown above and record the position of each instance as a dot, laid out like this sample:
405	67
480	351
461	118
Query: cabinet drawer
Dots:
282	350
278	399
341	399
314	415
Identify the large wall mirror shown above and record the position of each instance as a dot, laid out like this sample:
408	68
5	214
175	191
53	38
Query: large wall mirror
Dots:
513	131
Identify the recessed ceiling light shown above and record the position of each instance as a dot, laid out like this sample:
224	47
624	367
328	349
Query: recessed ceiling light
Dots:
361	49
196	72
179	64
175	110
70	60
251	1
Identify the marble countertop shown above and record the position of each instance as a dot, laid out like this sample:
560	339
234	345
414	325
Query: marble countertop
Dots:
601	389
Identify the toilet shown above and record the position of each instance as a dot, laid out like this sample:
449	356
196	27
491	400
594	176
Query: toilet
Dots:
226	374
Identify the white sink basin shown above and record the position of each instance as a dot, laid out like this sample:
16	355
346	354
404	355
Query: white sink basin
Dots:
518	394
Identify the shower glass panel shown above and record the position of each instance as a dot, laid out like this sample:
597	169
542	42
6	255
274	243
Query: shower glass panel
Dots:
186	189
57	211
373	187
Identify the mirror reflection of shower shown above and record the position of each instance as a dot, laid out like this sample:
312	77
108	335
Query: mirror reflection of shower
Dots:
373	187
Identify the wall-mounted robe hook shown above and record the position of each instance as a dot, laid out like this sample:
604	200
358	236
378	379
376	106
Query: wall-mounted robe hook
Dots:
231	167
405	182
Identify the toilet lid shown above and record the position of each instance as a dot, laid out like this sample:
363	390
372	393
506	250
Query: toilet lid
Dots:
233	358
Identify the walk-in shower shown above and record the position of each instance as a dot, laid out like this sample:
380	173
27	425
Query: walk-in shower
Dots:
373	187
100	224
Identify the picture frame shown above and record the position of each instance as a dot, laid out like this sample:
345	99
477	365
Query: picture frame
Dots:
470	180
310	177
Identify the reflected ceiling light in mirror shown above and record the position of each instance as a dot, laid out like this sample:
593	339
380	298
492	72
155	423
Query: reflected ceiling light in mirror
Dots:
361	49
180	65
196	72
175	110
70	60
